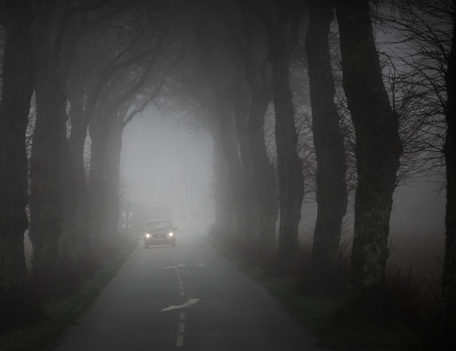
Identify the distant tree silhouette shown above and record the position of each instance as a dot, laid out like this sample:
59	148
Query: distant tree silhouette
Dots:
278	25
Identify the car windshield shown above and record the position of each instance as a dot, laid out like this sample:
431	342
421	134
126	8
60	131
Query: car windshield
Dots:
154	225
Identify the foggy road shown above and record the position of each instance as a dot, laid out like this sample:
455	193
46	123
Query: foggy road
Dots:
187	297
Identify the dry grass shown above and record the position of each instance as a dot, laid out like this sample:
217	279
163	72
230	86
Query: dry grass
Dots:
61	312
402	314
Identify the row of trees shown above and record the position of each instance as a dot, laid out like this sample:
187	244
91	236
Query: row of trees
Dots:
383	121
91	66
386	119
73	75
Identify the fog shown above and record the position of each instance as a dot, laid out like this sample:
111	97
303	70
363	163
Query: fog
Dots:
221	175
417	227
165	163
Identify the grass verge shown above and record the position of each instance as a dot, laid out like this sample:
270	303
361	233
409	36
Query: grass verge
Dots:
345	322
63	312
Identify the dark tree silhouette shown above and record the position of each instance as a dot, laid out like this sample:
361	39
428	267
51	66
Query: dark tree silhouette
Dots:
251	94
427	30
220	80
49	138
331	193
378	146
75	238
81	90
57	31
17	86
127	92
449	265
289	168
258	78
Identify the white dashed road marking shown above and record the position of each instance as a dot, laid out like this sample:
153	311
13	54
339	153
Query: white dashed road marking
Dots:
190	302
180	336
175	266
180	341
186	304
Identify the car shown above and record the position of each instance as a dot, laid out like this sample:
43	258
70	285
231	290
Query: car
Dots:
160	232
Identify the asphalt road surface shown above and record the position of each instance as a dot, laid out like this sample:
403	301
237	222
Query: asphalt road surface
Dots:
185	298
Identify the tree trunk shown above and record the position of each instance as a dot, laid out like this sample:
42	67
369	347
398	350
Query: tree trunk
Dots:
264	173
378	146
49	138
328	139
106	136
291	182
264	178
225	131
225	209
75	239
249	195
449	265
14	110
46	177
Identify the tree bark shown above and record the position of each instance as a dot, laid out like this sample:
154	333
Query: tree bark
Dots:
265	178
225	131
378	146
75	238
46	166
328	138
291	182
14	110
106	137
48	145
249	195
225	209
449	265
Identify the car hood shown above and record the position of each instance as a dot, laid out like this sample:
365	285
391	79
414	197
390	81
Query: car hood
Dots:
160	231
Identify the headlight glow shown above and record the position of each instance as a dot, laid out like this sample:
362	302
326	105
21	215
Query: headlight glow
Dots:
147	235
170	234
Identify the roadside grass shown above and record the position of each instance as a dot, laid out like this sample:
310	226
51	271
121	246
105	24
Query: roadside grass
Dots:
62	312
401	315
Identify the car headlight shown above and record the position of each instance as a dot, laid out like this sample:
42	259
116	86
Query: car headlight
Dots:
147	235
170	234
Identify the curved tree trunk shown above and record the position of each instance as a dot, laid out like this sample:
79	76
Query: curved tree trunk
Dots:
378	146
449	265
289	166
14	110
328	139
